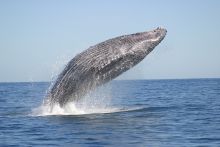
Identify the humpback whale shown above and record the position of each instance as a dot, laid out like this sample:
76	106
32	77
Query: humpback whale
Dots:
101	63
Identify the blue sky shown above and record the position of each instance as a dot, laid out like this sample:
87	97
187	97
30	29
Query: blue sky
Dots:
37	38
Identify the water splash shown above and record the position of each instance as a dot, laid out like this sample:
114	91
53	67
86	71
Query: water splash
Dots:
97	101
71	108
57	67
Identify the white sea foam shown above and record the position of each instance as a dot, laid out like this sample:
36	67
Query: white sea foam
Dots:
72	109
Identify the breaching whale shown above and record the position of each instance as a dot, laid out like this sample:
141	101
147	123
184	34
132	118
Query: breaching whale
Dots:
101	63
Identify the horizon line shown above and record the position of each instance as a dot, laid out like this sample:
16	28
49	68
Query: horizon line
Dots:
120	80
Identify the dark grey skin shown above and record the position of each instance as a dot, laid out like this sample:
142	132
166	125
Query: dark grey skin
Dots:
101	63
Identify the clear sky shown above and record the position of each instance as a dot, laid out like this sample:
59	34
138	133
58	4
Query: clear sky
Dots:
37	37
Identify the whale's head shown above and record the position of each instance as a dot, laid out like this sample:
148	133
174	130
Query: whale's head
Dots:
141	44
124	52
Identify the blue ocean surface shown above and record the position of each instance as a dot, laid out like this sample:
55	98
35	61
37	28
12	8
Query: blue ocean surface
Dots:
137	113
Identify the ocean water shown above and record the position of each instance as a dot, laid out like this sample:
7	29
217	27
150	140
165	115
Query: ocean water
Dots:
123	113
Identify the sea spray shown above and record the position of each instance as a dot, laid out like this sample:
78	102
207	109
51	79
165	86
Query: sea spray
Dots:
56	68
97	101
